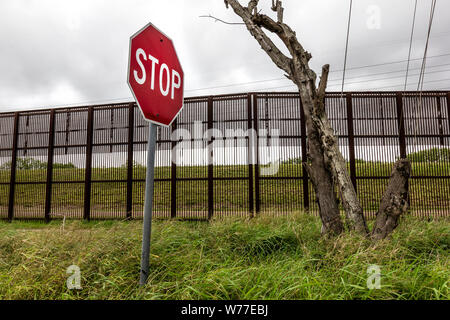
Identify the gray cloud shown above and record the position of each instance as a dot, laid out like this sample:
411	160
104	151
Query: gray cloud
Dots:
64	52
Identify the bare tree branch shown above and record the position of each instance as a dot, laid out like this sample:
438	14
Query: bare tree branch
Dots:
266	43
327	163
323	82
252	6
277	6
220	20
300	56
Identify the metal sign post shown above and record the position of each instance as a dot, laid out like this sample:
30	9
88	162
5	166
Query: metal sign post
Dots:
148	204
156	80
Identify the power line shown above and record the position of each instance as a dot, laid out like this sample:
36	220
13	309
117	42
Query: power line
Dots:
389	78
333	71
390	63
81	103
251	82
279	79
262	81
390	72
410	45
368	89
395	86
346	46
424	62
127	99
362	81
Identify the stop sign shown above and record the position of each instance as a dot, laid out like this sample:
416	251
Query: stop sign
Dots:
155	76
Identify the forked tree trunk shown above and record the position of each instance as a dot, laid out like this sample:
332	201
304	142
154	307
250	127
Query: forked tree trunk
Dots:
320	173
328	166
394	202
322	181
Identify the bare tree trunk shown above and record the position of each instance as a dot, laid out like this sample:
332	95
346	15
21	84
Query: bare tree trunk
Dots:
394	202
298	71
334	159
328	166
322	181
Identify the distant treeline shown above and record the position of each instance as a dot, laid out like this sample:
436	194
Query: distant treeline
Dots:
34	164
430	155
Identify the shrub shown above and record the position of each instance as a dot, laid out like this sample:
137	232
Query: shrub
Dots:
430	155
34	164
135	165
69	165
293	161
26	164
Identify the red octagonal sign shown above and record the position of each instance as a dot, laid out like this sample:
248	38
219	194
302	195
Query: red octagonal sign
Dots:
155	75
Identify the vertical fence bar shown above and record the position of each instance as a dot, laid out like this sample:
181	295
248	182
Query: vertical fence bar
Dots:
304	157
173	176
66	149
401	125
130	161
51	144
12	180
257	178
250	154
210	160
111	131
448	120
88	167
440	118
351	139
27	125
448	111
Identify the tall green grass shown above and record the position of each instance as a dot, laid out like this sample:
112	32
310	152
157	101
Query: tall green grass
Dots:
229	194
261	258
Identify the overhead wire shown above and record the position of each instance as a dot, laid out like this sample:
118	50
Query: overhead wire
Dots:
362	81
422	72
332	71
400	85
344	70
346	46
410	45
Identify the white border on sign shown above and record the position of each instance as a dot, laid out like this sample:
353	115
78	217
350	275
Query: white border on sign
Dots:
128	76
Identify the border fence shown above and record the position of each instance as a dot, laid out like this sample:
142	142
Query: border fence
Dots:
89	162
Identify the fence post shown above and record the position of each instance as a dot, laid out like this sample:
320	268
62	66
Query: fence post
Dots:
351	139
88	167
51	145
440	124
173	175
210	160
250	154
12	180
401	125
448	111
304	157
111	130
66	149
257	178
130	161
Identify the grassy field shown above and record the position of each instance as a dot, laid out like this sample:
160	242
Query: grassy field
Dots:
261	258
229	195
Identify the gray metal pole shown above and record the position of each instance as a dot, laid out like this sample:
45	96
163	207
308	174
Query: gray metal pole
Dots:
148	203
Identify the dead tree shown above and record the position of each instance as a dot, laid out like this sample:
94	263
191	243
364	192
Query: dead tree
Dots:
327	165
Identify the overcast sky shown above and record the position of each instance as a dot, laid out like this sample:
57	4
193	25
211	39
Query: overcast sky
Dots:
64	52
